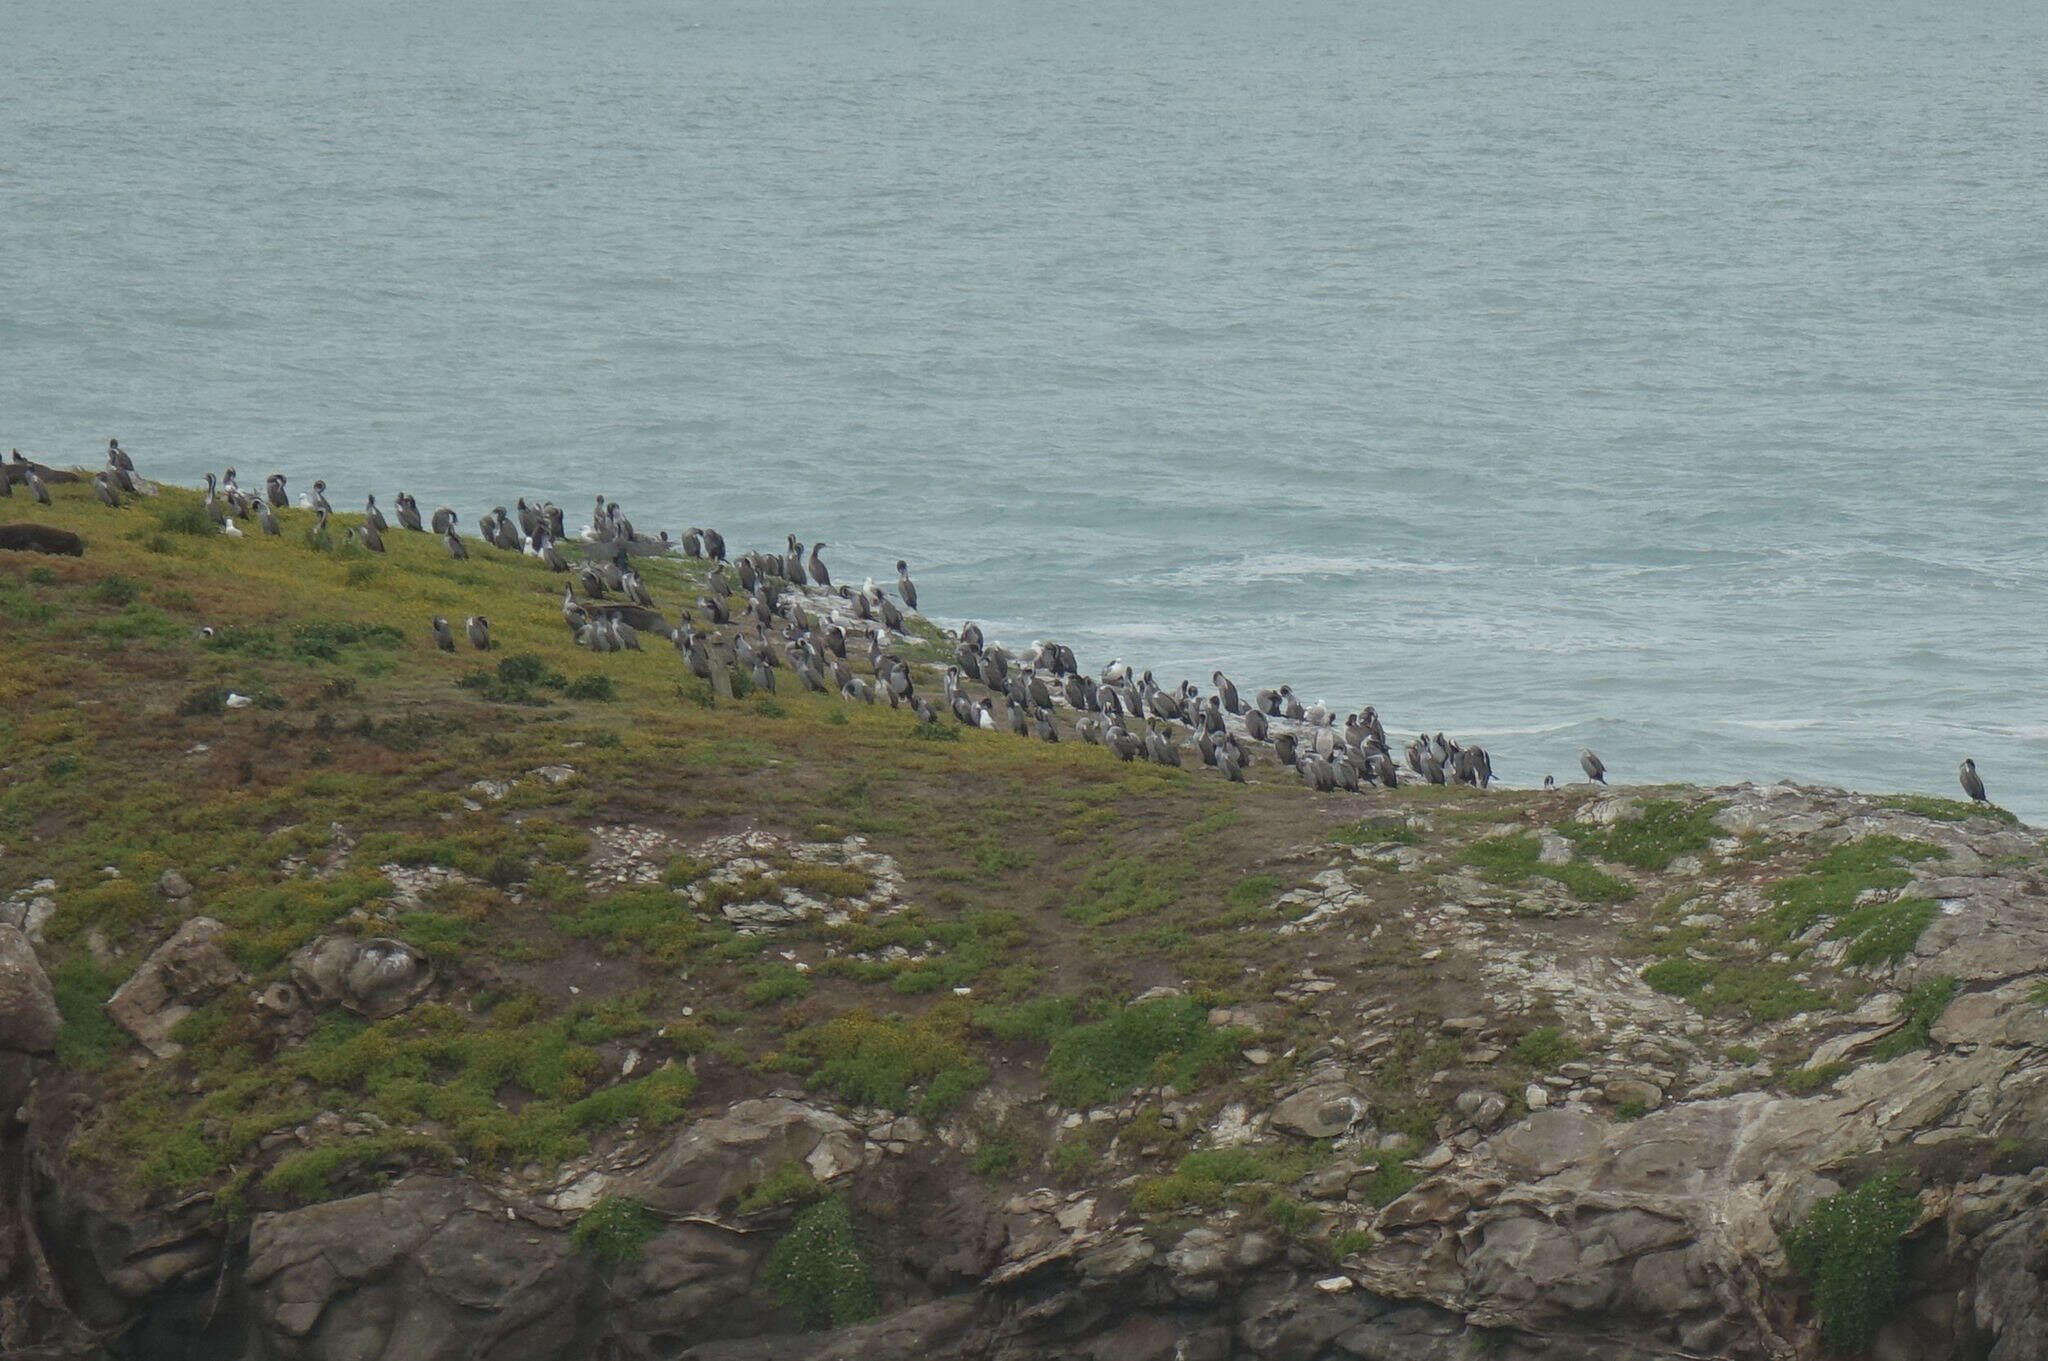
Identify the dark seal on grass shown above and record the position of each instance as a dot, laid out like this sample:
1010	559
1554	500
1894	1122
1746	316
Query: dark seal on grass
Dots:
34	538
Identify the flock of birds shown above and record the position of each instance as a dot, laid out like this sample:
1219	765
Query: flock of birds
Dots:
794	619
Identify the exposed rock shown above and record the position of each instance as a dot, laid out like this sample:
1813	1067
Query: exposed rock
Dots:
184	972
432	1269
1481	1107
374	978
1629	1091
1322	1111
1609	811
28	1004
172	884
714	1160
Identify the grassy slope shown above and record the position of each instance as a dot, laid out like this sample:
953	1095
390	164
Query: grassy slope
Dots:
1051	882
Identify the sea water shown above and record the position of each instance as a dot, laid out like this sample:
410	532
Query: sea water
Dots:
1660	378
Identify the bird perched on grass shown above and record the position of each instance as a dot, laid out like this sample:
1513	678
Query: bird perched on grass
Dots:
479	630
1973	784
443	639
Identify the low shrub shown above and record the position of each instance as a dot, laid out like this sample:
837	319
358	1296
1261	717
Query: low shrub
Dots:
1849	1249
615	1231
1544	1049
1165	1040
817	1271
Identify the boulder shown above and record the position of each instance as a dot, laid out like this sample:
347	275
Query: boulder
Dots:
1481	1107
184	972
1608	812
431	1269
374	978
1322	1111
28	1005
714	1160
1631	1091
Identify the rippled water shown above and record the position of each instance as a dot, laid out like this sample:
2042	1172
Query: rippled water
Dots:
1664	378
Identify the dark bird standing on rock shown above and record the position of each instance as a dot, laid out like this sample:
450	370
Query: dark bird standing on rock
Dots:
1972	785
1590	763
905	587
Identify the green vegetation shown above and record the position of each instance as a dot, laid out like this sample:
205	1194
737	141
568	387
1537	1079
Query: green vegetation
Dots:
1513	859
1947	810
615	1231
776	982
1041	1019
518	679
789	1184
578	924
1755	973
1828	890
1254	890
877	1061
1806	1081
1919	1009
1849	1250
1203	1180
1392	1177
88	1039
1760	990
1167	1040
817	1272
1667	829
1125	887
1544	1049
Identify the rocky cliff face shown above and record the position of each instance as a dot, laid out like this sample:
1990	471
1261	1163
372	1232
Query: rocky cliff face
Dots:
1613	1183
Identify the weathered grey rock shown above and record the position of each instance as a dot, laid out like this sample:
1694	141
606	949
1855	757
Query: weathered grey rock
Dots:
1481	1107
1631	1091
432	1269
28	1004
1321	1111
184	972
375	978
1549	1141
938	1331
1287	1322
1607	812
35	915
173	885
715	1160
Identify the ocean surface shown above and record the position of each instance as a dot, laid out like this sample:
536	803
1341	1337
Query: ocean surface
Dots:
1664	378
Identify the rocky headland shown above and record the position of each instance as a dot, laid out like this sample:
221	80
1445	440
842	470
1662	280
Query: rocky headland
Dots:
536	1004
